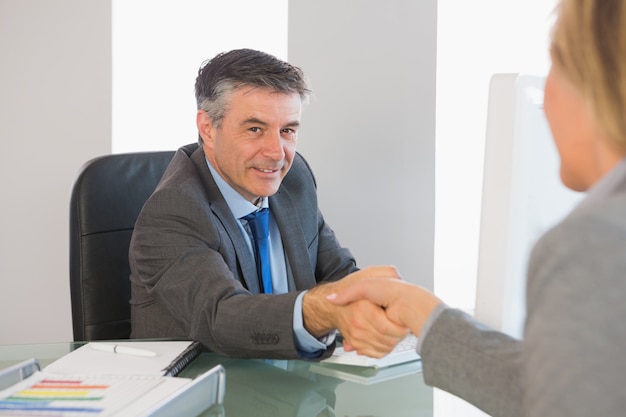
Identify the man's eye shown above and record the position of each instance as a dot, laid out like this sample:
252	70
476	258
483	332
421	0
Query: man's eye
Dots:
255	129
289	131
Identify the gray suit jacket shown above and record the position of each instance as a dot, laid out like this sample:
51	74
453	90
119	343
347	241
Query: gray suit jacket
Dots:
572	361
192	275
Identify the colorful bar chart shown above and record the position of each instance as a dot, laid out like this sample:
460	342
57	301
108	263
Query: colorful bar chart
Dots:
56	396
74	397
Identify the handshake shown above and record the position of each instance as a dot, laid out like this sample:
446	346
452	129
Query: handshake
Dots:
373	309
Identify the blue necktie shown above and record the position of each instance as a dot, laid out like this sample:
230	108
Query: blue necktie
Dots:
259	226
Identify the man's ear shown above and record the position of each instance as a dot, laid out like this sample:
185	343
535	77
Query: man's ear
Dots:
205	127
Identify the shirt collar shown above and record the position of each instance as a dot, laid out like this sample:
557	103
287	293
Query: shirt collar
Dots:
238	205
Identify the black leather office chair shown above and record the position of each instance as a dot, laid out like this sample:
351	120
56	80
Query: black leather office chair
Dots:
106	199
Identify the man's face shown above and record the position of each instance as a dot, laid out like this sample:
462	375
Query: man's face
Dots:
254	147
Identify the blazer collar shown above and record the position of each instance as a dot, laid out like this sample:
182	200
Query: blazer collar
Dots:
222	212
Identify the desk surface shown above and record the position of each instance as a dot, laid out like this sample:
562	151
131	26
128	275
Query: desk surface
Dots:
283	388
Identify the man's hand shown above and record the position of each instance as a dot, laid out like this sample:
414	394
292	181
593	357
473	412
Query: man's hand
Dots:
404	303
363	324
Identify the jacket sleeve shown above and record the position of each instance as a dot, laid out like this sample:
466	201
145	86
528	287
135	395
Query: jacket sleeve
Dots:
474	362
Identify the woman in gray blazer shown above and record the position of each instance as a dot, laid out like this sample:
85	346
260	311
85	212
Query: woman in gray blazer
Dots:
571	360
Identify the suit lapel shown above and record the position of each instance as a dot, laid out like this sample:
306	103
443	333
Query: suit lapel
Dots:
222	212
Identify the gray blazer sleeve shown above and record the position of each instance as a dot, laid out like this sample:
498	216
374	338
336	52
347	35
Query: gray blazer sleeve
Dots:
571	362
471	361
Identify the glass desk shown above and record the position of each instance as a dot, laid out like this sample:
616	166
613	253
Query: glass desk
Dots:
289	388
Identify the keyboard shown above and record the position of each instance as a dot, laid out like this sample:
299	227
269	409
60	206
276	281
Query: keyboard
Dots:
405	351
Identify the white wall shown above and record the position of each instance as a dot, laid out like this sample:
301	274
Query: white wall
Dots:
472	46
55	113
369	132
158	46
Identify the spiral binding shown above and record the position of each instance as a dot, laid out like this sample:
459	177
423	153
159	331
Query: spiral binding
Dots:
181	361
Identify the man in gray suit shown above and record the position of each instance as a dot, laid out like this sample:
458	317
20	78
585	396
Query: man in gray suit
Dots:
192	254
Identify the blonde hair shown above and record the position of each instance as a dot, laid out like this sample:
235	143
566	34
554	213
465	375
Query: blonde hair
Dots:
589	48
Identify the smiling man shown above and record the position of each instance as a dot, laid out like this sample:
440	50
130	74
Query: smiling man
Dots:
203	268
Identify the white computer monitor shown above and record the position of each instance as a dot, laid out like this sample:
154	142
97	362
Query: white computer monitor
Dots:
522	197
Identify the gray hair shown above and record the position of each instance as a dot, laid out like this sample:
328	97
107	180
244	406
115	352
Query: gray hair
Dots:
219	77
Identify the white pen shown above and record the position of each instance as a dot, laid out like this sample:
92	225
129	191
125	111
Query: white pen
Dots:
122	350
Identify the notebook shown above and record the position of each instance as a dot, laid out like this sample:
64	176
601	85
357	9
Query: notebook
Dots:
405	351
168	359
106	380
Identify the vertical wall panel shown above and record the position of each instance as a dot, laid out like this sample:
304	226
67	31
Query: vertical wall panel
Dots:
369	131
55	113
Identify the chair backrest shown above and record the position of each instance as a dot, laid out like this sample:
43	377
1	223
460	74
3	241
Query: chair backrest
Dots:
106	199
